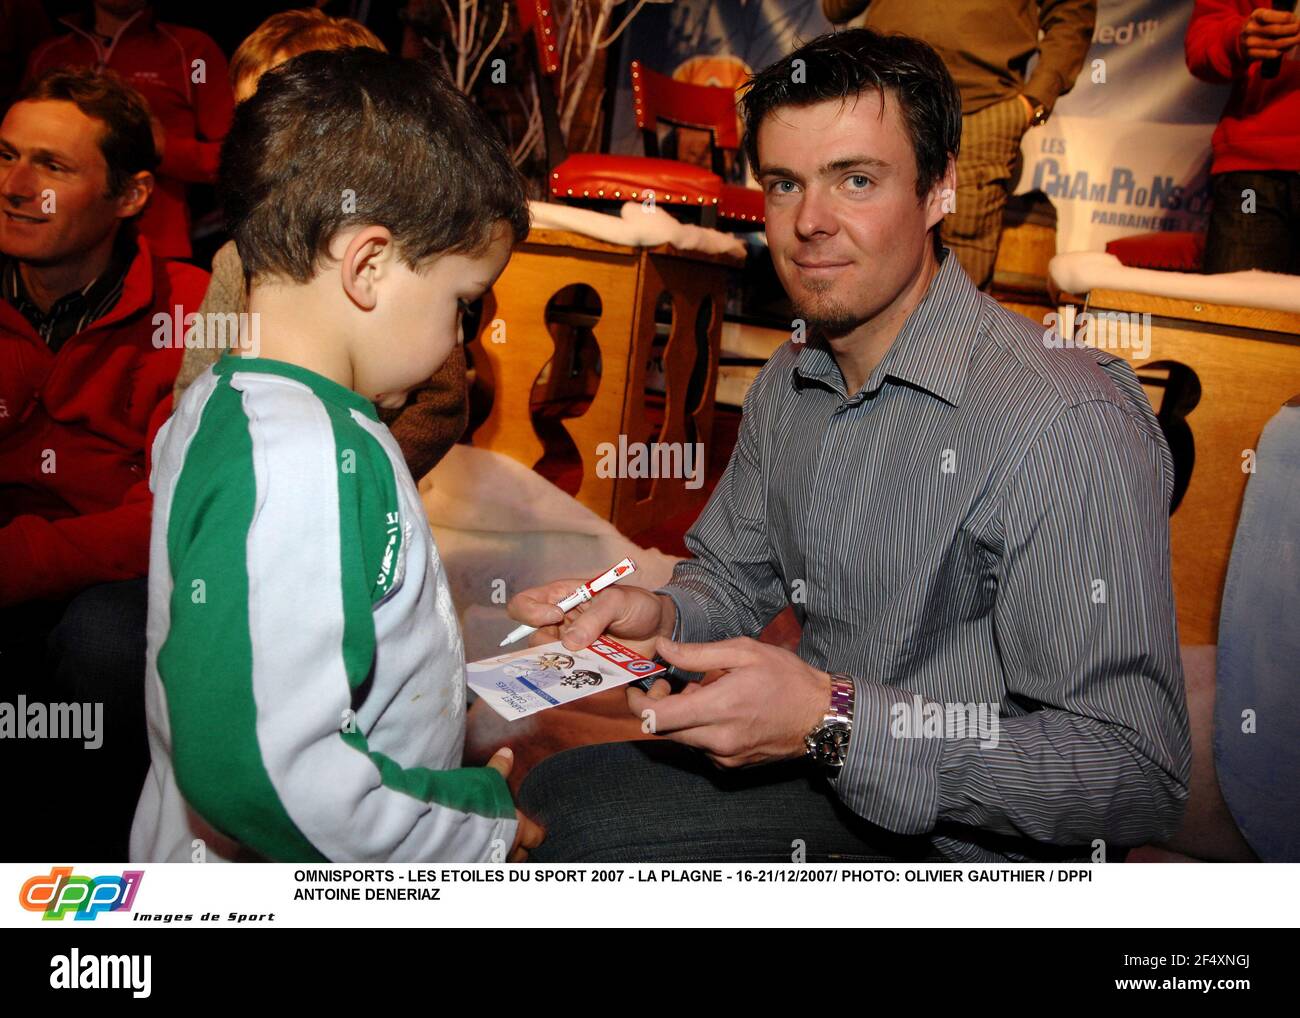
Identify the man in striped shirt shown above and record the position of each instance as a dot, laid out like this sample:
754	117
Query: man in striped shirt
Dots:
970	522
306	682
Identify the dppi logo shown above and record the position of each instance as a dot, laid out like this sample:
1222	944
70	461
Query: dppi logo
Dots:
60	893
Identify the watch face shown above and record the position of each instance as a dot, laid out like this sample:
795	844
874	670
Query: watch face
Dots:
833	743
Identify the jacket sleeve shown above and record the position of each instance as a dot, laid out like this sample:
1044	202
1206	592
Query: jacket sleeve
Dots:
1067	33
57	558
435	418
224	295
194	158
1213	41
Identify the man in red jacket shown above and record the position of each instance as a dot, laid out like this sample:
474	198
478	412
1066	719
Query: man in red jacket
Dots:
181	72
84	385
1255	176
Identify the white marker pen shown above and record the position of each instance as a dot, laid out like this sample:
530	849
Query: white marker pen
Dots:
582	595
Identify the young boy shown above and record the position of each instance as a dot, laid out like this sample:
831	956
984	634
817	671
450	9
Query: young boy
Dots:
306	674
437	413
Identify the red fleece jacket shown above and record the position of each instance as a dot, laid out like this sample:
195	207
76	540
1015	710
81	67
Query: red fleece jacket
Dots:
75	427
1260	126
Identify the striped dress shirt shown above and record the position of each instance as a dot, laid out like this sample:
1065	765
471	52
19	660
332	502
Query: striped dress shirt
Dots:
983	527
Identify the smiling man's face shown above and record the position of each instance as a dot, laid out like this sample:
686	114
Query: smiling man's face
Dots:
845	227
54	201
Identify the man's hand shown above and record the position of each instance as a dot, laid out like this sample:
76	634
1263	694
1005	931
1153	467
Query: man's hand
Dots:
528	835
626	613
757	711
1267	33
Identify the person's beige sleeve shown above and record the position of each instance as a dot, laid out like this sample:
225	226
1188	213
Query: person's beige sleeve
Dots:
225	294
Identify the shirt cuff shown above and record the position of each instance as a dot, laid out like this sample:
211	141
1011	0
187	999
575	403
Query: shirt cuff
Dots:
692	626
1046	88
891	774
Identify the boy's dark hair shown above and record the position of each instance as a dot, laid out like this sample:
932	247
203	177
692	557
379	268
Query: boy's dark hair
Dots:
127	139
358	137
840	65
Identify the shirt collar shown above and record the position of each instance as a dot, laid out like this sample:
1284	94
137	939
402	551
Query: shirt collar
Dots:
325	388
931	351
100	294
125	248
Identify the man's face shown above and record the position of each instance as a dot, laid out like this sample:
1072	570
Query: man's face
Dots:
54	203
845	228
422	310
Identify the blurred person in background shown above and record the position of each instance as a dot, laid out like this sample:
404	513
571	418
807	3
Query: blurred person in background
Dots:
1255	175
181	72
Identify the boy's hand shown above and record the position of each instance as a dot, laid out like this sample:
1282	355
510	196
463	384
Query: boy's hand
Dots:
528	835
627	613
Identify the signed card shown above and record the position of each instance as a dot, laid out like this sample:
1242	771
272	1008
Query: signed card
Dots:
537	678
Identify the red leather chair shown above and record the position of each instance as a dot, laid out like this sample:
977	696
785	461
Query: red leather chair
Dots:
658	97
599	177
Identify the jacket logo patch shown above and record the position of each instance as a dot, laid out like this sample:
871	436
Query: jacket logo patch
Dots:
393	525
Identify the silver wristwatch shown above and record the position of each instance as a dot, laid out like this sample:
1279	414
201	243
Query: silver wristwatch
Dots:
828	743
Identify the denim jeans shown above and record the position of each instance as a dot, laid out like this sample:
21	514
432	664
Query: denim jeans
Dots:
1257	709
1267	238
657	801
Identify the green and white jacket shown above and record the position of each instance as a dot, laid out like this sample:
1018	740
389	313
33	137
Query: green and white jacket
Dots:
306	676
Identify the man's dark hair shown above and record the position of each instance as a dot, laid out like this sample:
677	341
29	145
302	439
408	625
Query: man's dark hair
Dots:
349	137
127	139
840	65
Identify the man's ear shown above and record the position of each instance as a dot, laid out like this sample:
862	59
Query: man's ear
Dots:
943	196
135	196
365	260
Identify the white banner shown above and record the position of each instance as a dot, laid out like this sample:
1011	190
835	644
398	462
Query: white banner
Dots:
1128	149
76	897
